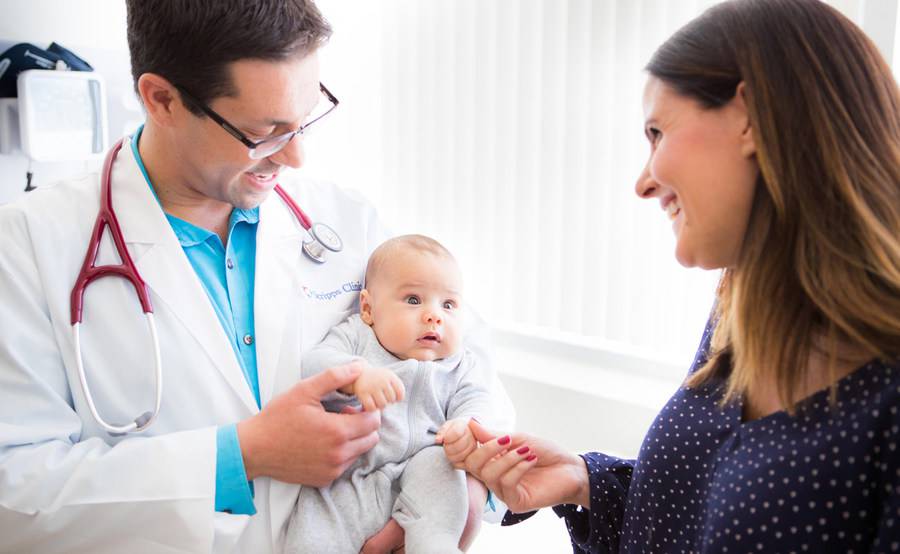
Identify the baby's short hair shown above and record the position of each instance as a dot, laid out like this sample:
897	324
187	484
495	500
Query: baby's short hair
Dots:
419	243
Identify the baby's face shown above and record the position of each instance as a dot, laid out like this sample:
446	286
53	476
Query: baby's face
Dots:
414	306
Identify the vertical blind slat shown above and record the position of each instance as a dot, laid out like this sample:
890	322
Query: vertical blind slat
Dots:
511	130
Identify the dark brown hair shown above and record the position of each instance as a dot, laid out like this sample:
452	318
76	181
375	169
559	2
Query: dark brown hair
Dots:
192	42
819	267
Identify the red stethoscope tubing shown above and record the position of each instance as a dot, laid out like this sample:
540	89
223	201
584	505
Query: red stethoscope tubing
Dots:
106	218
301	216
90	271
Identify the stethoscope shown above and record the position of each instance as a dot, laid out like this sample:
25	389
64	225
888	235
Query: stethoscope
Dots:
320	239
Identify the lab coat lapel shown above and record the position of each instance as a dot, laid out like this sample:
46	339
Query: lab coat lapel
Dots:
165	268
278	241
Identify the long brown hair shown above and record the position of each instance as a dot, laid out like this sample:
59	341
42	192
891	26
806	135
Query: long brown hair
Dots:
820	264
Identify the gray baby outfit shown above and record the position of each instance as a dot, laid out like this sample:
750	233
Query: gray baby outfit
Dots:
405	476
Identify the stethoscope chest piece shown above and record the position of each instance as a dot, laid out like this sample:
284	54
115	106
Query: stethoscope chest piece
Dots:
321	238
314	250
327	237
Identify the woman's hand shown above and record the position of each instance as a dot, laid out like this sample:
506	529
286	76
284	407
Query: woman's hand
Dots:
526	472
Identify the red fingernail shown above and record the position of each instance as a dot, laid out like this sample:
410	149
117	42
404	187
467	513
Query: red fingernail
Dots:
503	440
530	458
522	450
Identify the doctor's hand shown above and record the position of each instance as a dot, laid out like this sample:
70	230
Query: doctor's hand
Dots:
526	472
293	439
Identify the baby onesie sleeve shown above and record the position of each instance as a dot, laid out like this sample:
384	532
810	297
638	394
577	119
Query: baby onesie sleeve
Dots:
473	395
340	346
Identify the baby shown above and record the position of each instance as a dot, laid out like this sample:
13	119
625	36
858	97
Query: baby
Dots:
408	336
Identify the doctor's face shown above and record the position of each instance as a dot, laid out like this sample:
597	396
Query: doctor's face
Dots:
414	305
703	170
272	98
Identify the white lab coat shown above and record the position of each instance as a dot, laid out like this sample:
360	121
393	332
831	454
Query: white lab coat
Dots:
65	484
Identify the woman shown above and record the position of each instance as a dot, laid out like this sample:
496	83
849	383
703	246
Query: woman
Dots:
774	130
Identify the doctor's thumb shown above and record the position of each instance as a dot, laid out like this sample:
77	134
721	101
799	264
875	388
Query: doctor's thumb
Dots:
332	379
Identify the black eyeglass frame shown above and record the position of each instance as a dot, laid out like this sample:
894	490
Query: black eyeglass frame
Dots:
236	133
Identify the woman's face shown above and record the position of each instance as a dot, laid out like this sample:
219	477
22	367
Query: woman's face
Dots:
703	170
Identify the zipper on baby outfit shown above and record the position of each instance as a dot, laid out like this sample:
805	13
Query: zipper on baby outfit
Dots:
412	396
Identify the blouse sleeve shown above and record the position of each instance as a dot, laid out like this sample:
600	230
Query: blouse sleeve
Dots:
596	530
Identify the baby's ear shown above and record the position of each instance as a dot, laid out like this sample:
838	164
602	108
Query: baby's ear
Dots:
365	307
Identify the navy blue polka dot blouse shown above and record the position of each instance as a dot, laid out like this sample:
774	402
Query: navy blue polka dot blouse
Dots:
824	480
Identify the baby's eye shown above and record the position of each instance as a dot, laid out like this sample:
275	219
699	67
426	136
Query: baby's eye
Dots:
449	304
653	135
413	299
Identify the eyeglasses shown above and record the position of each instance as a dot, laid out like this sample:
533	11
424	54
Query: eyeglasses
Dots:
271	145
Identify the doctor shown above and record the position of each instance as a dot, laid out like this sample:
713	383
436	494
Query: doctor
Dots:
235	302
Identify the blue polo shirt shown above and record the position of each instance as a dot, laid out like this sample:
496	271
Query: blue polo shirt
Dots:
227	273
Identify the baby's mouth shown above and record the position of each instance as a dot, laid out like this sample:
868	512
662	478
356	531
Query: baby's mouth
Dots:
431	337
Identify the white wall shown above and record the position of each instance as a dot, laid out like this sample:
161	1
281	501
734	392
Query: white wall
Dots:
613	398
95	31
72	23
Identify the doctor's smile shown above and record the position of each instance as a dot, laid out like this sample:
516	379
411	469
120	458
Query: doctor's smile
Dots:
207	348
263	180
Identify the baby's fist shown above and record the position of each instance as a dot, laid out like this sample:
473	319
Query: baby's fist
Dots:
377	387
457	439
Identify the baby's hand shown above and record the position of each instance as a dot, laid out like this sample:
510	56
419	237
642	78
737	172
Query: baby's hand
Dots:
377	387
457	439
